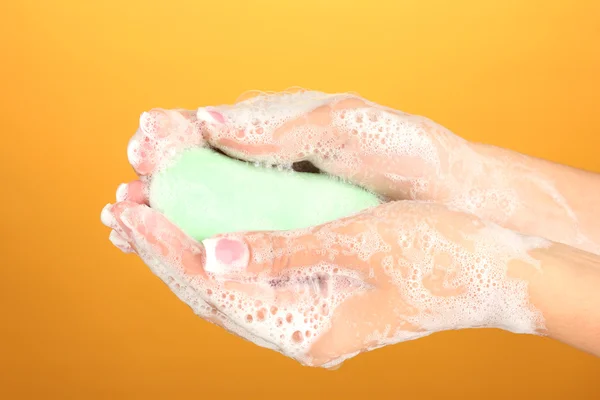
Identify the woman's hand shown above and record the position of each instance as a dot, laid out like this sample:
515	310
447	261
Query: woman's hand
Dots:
402	270
394	154
397	155
320	295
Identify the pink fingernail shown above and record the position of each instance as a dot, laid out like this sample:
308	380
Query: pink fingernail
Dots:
225	255
205	114
107	217
155	123
125	218
122	192
133	152
119	242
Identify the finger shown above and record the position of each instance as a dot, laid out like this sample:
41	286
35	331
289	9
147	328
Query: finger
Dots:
335	257
275	128
178	260
135	191
162	134
139	229
120	242
159	242
172	256
342	135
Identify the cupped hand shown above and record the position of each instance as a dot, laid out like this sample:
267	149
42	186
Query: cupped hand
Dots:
394	154
323	294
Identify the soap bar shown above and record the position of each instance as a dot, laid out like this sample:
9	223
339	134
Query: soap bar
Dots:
206	193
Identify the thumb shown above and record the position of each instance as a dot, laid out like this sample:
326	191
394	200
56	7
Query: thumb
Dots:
260	253
269	254
284	263
277	129
286	259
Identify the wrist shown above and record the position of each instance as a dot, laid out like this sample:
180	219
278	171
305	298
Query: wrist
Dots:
565	290
470	280
529	195
511	189
485	184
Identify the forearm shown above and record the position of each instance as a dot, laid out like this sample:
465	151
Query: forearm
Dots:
536	197
566	289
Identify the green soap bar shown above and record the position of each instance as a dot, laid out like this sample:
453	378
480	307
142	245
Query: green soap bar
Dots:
206	193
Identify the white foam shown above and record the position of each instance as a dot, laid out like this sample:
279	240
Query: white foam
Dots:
122	191
117	240
107	217
213	265
404	246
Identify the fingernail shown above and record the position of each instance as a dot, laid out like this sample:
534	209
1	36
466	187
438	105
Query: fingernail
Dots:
133	152
155	123
107	217
204	114
225	255
125	218
122	192
120	242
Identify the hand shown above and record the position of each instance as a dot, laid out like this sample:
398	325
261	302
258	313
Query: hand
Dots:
389	274
403	156
320	295
395	154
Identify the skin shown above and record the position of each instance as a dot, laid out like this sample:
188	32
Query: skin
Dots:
556	201
454	191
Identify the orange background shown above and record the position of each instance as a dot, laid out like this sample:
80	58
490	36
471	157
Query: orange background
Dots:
80	320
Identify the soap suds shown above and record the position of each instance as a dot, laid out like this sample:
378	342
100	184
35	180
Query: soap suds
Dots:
444	278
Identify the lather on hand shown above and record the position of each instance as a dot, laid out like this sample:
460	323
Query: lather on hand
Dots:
391	273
